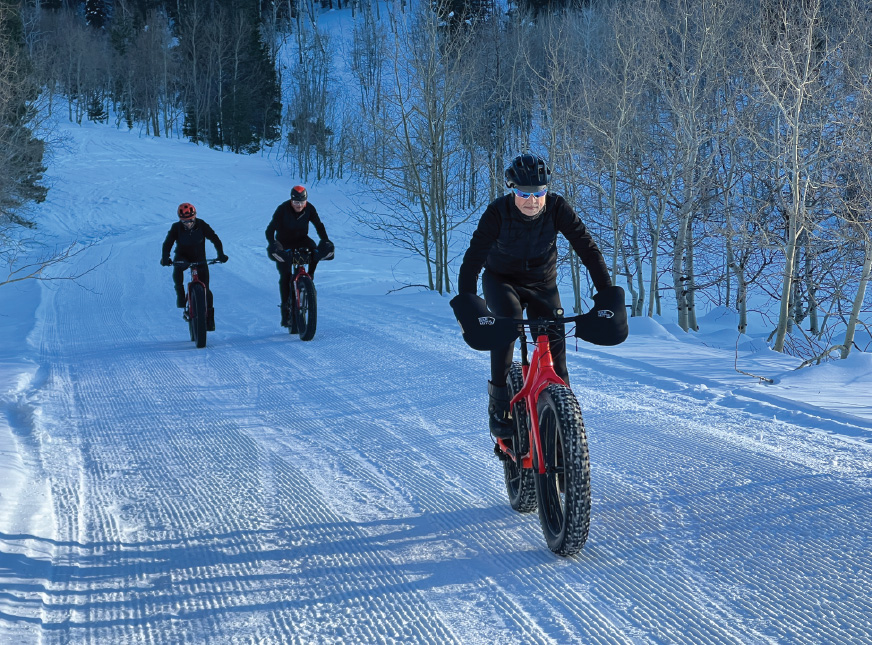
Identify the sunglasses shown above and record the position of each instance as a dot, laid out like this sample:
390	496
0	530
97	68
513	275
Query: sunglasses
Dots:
296	203
523	195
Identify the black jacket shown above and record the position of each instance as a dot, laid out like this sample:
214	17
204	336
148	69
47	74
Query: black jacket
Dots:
524	249
291	228
191	245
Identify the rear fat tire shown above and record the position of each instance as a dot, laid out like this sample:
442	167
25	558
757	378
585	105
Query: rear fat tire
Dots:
307	313
563	492
198	315
520	484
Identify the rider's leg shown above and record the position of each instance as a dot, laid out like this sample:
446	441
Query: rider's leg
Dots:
502	300
284	270
310	243
203	272
178	277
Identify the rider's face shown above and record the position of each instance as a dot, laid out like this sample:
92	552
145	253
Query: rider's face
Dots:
188	223
530	206
298	206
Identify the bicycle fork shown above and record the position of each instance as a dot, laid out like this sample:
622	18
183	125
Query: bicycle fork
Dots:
542	366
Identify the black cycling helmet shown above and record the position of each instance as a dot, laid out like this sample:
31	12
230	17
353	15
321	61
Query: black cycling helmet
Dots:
299	194
528	172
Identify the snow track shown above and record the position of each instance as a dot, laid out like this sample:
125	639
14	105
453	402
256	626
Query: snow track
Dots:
344	490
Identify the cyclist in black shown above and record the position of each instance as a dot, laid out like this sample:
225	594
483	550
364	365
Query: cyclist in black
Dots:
516	244
189	235
289	229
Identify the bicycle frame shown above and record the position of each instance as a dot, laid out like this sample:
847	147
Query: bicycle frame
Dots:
195	279
299	258
299	273
538	374
551	472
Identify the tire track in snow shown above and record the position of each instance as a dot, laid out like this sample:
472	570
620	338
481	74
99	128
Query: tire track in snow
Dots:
155	472
709	509
419	495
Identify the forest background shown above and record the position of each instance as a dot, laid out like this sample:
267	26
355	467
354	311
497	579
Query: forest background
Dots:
717	149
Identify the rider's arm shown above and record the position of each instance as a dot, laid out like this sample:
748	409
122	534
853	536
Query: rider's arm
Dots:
271	229
212	236
574	230
172	237
317	223
479	246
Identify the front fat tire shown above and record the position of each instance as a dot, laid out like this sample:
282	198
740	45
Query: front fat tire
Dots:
520	484
563	492
307	314
198	315
189	316
291	317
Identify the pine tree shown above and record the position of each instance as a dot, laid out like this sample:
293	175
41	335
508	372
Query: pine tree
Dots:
21	153
239	106
95	13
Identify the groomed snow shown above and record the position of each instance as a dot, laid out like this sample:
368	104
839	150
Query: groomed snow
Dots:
344	490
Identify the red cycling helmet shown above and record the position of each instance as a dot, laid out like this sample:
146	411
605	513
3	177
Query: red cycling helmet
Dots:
187	211
299	194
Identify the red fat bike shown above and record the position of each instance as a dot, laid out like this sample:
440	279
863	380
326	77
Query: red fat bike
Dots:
302	306
546	463
196	307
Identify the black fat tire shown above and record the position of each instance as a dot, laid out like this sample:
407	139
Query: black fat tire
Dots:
520	484
307	314
291	316
564	502
198	315
189	316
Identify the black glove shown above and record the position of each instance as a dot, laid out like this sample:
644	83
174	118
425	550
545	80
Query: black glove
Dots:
481	329
325	250
606	323
166	262
274	251
222	258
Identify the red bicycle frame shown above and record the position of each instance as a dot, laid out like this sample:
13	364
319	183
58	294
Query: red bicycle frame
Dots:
195	279
301	271
538	374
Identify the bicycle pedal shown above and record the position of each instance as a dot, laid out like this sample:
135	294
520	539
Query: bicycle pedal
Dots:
499	453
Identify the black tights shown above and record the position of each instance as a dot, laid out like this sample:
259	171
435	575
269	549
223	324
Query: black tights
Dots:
507	298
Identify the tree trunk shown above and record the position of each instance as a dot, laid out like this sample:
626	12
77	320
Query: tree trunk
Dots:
858	300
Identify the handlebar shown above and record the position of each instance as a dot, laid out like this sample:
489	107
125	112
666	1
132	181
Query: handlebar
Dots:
300	255
186	264
558	319
547	322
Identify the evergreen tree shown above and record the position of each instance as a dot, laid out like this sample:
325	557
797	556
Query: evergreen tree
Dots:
95	13
537	7
232	95
254	111
21	153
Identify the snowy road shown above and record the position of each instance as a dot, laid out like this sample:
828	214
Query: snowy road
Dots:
266	490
